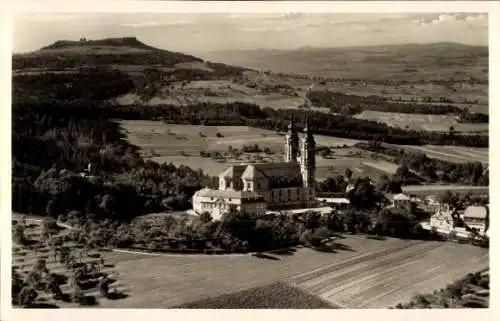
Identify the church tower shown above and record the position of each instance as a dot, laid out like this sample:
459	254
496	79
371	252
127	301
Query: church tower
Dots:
291	143
308	157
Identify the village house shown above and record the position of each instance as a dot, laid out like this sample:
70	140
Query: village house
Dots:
476	217
403	201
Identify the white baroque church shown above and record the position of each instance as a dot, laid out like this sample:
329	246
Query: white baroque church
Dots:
256	188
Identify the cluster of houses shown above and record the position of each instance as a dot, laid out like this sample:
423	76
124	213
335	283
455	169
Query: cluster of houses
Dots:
445	219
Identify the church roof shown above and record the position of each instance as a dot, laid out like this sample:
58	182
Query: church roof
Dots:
247	195
287	171
234	171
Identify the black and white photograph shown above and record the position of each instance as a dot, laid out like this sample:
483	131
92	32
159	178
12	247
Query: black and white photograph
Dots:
267	160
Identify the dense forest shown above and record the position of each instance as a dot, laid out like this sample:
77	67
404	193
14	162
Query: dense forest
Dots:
120	184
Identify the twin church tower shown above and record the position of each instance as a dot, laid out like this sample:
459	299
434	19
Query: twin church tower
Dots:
302	150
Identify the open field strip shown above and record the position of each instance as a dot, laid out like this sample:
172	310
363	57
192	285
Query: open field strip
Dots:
395	277
369	268
452	153
184	279
175	255
438	189
383	166
421	121
176	280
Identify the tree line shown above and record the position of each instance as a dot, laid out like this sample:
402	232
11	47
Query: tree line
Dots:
416	167
353	104
238	114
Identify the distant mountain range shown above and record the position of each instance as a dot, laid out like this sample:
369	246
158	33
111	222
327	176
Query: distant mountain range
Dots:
415	63
345	62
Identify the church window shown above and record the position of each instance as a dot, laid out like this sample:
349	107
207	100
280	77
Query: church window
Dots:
228	184
249	185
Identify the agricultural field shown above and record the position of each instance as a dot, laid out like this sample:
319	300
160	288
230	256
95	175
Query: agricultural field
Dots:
25	258
440	189
423	122
221	91
456	154
355	267
182	144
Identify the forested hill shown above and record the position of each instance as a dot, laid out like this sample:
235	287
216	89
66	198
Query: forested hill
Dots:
112	52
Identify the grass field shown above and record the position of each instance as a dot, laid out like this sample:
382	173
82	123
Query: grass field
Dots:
176	280
456	154
181	145
381	281
422	122
357	272
439	189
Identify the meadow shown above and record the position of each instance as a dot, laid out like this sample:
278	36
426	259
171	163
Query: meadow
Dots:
357	272
456	154
181	145
423	122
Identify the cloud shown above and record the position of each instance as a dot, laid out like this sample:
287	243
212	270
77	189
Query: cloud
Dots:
141	24
449	18
293	15
49	17
149	24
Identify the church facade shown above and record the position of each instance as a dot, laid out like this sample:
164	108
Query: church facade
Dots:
255	188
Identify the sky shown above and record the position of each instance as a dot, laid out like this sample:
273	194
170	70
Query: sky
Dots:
201	33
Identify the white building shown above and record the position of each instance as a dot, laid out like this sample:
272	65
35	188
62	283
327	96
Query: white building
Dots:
219	202
443	219
338	203
476	217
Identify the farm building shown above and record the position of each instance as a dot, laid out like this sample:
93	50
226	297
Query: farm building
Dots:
254	187
404	201
338	203
477	217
